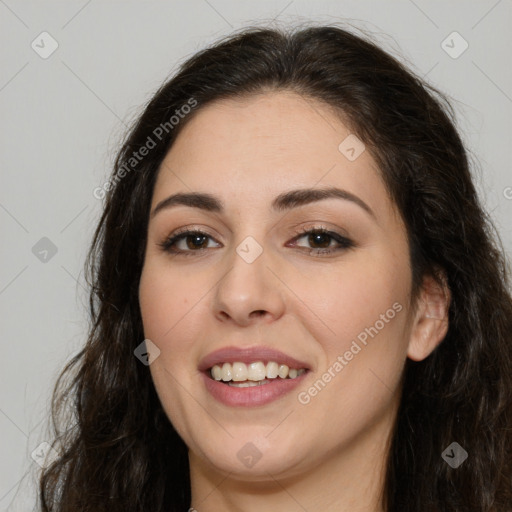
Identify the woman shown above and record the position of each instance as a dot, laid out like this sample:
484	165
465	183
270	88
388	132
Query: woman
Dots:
297	300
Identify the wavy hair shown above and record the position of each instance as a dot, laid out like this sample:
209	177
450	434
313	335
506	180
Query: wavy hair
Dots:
118	450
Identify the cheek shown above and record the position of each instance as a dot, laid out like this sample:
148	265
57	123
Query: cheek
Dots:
168	303
165	299
173	305
363	337
343	301
359	318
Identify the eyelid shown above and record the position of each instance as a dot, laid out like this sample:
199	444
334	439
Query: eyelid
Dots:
190	229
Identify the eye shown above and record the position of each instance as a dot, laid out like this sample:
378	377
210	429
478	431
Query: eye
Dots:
186	242
321	241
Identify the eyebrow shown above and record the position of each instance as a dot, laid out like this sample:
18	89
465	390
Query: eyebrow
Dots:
284	201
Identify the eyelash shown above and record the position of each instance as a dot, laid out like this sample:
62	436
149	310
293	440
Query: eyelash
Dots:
345	243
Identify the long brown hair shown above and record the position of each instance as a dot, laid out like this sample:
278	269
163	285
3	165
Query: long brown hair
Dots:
119	452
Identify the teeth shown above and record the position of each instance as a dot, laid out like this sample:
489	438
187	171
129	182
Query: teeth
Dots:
272	370
253	374
256	371
226	372
248	384
239	372
217	372
283	371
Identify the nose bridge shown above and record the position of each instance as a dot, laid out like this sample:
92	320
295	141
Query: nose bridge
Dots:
248	286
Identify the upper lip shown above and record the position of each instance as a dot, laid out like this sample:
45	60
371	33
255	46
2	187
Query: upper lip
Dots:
249	355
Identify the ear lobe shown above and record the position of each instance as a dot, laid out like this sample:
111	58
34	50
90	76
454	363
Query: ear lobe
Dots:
430	324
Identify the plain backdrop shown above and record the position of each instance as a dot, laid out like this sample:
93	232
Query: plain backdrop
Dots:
63	115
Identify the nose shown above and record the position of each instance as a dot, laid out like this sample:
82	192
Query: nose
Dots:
248	292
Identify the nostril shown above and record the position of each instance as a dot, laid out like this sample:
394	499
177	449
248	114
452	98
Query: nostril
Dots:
258	313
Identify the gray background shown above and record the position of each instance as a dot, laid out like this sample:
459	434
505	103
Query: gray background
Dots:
62	118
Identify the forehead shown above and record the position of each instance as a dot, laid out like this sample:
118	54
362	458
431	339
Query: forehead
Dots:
250	149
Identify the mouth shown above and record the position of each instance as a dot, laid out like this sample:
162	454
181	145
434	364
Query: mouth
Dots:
250	377
257	373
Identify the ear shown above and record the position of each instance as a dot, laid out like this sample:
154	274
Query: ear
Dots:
430	323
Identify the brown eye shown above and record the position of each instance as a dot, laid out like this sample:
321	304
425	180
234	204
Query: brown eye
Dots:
319	241
187	242
196	241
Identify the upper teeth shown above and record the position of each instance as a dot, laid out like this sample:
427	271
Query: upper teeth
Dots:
256	371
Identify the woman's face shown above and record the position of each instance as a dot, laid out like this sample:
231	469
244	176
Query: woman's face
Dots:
255	285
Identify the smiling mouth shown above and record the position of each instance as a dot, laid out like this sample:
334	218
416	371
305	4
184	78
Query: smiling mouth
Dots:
258	373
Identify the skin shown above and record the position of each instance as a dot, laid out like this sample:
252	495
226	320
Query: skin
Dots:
328	454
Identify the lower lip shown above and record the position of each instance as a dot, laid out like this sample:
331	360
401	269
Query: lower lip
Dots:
254	395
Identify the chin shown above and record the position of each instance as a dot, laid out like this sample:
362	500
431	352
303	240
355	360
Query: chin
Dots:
252	460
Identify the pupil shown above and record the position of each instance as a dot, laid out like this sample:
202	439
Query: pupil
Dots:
317	239
197	241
